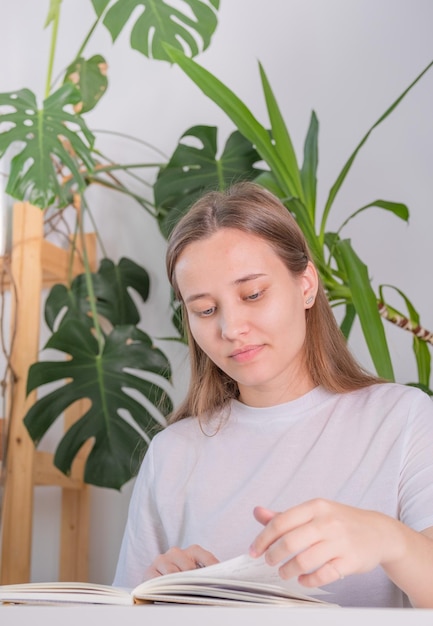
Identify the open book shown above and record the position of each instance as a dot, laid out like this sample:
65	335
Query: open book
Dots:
235	582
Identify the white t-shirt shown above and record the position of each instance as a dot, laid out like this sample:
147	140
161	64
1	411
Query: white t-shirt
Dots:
371	448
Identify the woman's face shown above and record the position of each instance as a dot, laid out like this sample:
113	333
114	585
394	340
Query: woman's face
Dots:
247	313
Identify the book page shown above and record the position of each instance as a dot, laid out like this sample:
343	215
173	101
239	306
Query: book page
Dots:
64	593
230	574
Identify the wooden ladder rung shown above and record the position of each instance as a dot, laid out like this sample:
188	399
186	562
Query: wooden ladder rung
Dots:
46	473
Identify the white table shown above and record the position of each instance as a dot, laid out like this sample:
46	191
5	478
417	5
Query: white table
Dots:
143	615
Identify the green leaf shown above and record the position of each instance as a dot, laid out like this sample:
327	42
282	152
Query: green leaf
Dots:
111	286
177	321
342	176
397	208
100	6
108	382
282	139
51	136
89	77
302	217
365	302
267	179
419	347
195	168
309	166
64	304
53	11
348	320
159	22
238	112
423	360
424	388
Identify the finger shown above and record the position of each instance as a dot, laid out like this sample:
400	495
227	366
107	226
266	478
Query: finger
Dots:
200	556
283	523
328	573
174	560
263	515
277	527
164	566
309	560
151	572
178	560
296	544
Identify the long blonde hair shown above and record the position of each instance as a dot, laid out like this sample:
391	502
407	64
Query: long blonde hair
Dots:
252	209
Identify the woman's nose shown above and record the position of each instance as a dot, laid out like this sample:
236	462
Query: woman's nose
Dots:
233	324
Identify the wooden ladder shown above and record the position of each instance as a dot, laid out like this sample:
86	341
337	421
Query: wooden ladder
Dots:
37	264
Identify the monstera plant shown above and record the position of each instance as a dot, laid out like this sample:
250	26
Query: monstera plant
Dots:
345	276
103	354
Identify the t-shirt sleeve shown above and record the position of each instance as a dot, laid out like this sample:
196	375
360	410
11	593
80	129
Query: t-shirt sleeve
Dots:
143	538
416	477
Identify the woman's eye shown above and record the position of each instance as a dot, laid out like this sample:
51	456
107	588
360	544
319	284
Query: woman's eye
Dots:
207	312
254	296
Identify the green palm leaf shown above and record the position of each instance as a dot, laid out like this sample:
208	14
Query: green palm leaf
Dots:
309	166
346	168
282	139
238	112
365	302
420	347
397	208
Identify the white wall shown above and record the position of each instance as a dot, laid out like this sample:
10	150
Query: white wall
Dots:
347	60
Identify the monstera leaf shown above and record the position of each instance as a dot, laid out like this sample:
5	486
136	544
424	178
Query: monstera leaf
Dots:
108	381
193	169
162	22
89	76
50	136
104	374
110	285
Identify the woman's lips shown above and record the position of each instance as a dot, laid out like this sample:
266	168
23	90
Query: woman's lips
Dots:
245	354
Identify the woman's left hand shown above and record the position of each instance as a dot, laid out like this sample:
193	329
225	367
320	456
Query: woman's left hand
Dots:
320	541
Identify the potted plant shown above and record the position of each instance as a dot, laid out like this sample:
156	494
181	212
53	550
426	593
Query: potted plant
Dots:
345	276
93	320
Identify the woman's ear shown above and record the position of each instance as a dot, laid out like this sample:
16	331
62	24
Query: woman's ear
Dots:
310	284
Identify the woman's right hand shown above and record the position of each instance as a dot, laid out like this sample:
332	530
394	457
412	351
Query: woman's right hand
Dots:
178	560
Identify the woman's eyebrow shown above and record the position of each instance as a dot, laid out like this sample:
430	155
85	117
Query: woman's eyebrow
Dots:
196	296
238	281
245	279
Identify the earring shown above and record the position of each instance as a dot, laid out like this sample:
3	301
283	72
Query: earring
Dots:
309	300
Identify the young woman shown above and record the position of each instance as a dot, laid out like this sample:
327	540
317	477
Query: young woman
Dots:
283	446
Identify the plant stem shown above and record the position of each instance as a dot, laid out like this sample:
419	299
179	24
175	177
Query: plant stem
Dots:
88	278
56	20
86	39
95	228
102	131
148	206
